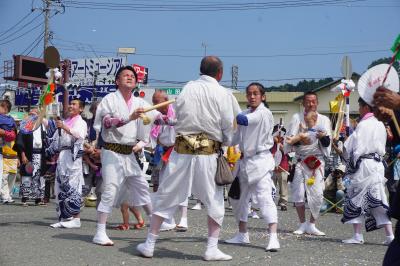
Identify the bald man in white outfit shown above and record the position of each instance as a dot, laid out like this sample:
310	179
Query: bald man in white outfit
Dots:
205	114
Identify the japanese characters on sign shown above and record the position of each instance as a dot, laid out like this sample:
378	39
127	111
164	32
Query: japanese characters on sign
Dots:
84	93
142	73
172	91
99	71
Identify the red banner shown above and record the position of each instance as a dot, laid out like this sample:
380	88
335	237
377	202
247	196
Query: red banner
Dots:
142	73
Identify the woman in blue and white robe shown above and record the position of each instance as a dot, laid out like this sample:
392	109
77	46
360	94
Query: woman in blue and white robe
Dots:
68	141
366	200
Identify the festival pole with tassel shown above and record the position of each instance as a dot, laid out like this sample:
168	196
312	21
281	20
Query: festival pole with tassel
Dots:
396	56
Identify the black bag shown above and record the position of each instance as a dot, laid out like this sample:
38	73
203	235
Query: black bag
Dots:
234	191
292	169
223	175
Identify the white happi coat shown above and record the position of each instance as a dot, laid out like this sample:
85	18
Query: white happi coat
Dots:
204	106
256	167
117	167
255	142
114	105
366	190
302	172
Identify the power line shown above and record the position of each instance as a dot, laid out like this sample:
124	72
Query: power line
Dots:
204	6
38	39
227	83
41	36
70	48
23	34
21	28
16	24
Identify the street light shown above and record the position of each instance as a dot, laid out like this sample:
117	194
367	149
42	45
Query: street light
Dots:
124	51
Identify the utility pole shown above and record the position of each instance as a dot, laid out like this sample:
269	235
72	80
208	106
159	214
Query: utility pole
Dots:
94	97
48	6
204	45
46	10
235	77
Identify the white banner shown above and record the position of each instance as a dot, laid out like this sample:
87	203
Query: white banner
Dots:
82	71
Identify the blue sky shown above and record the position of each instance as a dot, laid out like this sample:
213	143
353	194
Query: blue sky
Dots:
170	43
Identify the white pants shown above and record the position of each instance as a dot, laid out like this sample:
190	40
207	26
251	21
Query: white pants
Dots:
262	192
314	192
187	173
185	203
117	168
8	184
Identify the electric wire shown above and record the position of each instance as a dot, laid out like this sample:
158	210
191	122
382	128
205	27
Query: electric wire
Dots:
41	35
21	28
16	24
205	7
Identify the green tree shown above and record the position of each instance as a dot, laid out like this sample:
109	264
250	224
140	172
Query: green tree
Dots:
304	85
385	60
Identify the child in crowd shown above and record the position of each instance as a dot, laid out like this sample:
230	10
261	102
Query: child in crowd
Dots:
122	202
6	121
255	169
307	131
10	165
10	158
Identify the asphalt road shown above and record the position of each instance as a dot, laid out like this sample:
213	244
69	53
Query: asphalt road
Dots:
27	239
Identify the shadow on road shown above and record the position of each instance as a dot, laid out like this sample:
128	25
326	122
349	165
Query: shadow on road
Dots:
161	252
72	236
38	223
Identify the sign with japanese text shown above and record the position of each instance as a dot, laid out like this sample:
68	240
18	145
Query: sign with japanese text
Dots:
99	71
142	73
172	91
84	93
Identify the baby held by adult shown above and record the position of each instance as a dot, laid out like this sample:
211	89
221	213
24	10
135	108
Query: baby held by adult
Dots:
307	132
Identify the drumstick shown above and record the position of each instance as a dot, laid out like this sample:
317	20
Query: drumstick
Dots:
396	124
284	170
148	109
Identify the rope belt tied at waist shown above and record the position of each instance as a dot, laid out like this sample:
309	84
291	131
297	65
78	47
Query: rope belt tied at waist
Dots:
196	144
118	148
352	168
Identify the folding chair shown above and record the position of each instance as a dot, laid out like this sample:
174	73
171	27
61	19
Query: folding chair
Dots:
333	205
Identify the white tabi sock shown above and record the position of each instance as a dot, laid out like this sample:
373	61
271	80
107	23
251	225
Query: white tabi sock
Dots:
101	228
273	244
388	240
213	253
358	236
146	249
212	243
151	240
